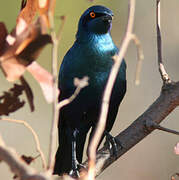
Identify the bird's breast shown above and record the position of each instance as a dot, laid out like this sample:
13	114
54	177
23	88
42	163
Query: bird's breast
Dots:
102	45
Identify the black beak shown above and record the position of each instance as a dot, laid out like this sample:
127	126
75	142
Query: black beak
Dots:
107	18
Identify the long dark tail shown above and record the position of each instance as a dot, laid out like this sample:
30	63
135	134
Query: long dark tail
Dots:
64	154
63	162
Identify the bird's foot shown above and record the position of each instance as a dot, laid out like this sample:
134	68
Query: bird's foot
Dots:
112	144
75	172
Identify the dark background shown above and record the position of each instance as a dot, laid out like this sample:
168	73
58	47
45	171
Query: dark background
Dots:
153	158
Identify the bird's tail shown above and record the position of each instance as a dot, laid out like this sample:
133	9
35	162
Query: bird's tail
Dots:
64	154
63	161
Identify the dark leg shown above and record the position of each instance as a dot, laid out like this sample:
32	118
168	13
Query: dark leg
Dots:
112	144
76	166
74	171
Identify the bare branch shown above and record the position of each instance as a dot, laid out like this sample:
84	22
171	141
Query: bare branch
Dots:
34	135
17	165
157	112
153	125
107	93
59	34
79	83
53	130
55	41
140	57
165	77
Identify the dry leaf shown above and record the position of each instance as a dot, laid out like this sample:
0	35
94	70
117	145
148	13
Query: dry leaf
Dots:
10	101
44	78
3	34
28	11
46	6
22	49
24	44
28	92
28	160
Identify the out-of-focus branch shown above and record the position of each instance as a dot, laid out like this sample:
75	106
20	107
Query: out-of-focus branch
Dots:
165	77
140	57
175	176
34	135
79	83
157	112
107	92
53	132
59	33
17	165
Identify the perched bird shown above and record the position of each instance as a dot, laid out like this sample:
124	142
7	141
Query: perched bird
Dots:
91	55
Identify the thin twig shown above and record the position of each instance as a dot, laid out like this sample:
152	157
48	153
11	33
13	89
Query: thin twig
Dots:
51	6
167	130
59	33
17	165
140	57
55	41
13	160
34	135
153	125
79	83
53	130
165	77
107	93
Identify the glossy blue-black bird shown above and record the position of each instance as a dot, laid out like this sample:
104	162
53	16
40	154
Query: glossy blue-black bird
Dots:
91	55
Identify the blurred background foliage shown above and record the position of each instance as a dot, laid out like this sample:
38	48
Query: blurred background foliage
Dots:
153	158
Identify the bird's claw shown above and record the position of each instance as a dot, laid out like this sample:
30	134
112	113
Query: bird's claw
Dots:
75	172
112	144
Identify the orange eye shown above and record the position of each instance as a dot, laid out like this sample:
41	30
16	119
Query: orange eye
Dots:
92	14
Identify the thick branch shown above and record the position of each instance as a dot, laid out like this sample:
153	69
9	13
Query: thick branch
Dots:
157	112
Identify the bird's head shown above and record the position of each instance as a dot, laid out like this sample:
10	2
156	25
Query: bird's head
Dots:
96	20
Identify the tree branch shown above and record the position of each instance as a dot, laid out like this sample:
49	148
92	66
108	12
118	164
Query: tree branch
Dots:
138	130
157	112
166	102
17	165
38	147
79	83
140	57
107	92
165	77
55	42
153	125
